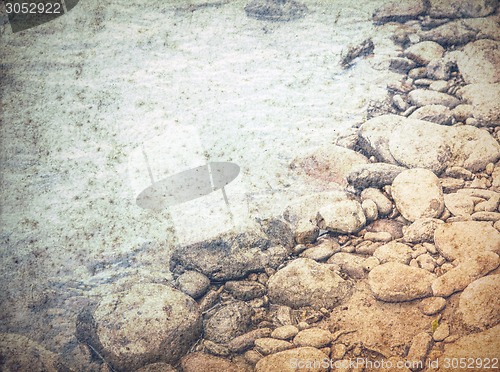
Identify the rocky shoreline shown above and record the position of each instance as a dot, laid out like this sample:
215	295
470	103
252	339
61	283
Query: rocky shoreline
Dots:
396	261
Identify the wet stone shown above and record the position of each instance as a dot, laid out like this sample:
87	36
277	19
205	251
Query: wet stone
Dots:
314	337
193	283
229	322
245	290
432	305
285	332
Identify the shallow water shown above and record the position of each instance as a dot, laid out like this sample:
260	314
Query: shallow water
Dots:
80	93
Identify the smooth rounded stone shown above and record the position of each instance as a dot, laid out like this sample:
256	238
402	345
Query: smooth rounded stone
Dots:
304	282
474	147
426	97
148	323
373	175
285	332
441	332
401	65
465	273
19	353
479	62
384	205
438	114
369	263
480	345
396	282
426	262
382	236
417	194
245	290
420	346
432	305
399	102
423	82
462	112
370	209
393	252
486	216
417	73
485	101
229	322
463	240
306	232
459	172
193	283
451	184
424	52
394	228
399	11
345	217
367	247
321	253
460	8
288	361
418	250
267	346
490	205
330	163
272	10
246	340
421	230
157	367
314	337
350	264
252	357
338	351
479	303
441	86
197	361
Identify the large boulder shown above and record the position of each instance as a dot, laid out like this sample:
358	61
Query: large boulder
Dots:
148	323
305	282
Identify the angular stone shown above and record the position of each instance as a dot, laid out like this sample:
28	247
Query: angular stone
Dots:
399	11
422	230
451	33
480	62
485	101
193	283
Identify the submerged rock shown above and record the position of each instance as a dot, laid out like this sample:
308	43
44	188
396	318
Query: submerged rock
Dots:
399	11
345	216
228	322
485	101
461	8
287	361
275	10
375	175
197	361
479	62
480	345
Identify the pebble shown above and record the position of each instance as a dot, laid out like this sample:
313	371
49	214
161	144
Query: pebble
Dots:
439	86
345	216
490	167
431	248
393	252
459	204
245	290
314	337
459	172
418	250
421	230
387	225
228	322
281	361
369	263
486	216
420	346
268	345
382	236
285	332
246	341
426	262
423	82
432	305
417	73
252	356
400	102
370	209
193	283
303	325
450	184
215	348
384	205
425	97
367	247
461	113
438	114
441	332
306	232
338	351
490	205
210	363
322	252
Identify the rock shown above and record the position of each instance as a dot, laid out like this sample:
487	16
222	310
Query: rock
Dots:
322	252
193	283
192	363
269	10
479	62
425	97
288	361
343	217
451	184
303	282
330	163
394	228
441	332
400	102
422	230
370	209
479	303
463	240
441	86
338	351
459	172
148	323
393	252
465	273
267	346
306	232
463	112
245	290
426	262
374	175
285	332
19	353
229	256
438	114
401	65
461	8
484	99
314	337
473	148
384	205
417	194
420	346
424	52
395	282
486	216
350	264
432	305
230	321
247	340
399	11
451	33
382	236
157	367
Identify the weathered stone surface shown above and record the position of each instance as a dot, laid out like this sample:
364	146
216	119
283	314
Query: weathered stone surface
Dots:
485	101
148	323
459	205
438	114
426	97
247	340
374	175
424	52
417	194
229	256
230	321
197	361
287	361
384	205
19	353
399	11
473	148
285	332
422	230
314	337
306	232
465	239
465	273
432	305
268	10
245	290
395	228
420	346
393	252
461	8
344	217
321	252
479	303
369	209
395	282
479	62
267	345
451	33
305	282
193	283
350	264
157	367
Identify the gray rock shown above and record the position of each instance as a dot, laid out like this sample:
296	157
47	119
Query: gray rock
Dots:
417	194
193	283
461	8
451	33
230	321
438	114
314	337
395	282
306	232
485	101
401	65
245	290
209	363
229	256
148	323
287	361
393	252
275	10
344	217
479	62
426	97
424	52
303	282
399	11
374	175
479	303
421	230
